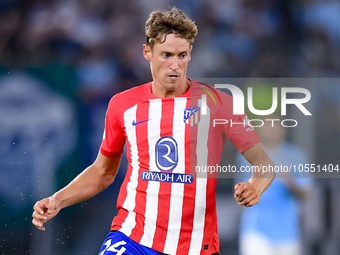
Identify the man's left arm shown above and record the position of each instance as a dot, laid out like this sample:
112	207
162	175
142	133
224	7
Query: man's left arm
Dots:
248	193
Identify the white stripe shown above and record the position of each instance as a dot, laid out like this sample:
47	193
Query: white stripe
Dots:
204	104
177	189
201	184
197	116
130	200
154	131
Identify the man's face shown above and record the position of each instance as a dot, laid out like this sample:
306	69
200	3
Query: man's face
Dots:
169	62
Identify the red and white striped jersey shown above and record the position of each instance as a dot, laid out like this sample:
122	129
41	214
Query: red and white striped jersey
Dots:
163	202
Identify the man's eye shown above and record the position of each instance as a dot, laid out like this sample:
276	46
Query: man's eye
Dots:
183	55
166	55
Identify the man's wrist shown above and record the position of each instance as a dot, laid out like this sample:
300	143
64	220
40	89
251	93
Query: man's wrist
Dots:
258	185
57	197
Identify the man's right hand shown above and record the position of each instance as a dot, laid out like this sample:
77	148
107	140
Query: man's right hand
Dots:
44	210
88	183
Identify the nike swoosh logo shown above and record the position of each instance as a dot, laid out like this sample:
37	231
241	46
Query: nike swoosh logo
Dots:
139	122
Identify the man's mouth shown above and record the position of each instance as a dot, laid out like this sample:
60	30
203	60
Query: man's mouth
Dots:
173	76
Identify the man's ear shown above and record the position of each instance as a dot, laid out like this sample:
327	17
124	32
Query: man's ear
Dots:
190	49
147	52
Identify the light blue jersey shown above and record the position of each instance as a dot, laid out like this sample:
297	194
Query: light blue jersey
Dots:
276	216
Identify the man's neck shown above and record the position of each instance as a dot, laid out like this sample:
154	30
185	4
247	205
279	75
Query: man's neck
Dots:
162	92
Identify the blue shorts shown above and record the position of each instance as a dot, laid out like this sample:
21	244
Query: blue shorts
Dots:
116	243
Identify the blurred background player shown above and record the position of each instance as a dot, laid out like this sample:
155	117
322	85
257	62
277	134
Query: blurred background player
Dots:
273	227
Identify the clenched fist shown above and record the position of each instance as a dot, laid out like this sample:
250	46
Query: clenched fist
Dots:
246	194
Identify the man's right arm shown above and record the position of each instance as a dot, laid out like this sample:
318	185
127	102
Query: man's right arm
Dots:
87	184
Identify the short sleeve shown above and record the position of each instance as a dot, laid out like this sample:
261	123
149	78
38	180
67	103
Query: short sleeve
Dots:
239	129
114	136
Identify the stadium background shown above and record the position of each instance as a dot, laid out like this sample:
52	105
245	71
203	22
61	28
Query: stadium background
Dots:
61	61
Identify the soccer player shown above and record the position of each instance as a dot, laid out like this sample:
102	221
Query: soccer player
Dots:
164	205
270	228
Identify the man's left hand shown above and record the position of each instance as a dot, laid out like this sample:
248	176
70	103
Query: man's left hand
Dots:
246	194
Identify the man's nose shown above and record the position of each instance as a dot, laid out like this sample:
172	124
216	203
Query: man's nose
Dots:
174	63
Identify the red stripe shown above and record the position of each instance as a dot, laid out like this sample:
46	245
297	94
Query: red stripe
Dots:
120	218
210	225
188	207
143	154
165	188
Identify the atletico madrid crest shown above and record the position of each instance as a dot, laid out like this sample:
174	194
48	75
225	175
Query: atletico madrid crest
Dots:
192	116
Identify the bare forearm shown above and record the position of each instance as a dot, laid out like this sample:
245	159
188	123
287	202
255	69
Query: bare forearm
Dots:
296	190
87	184
84	186
262	175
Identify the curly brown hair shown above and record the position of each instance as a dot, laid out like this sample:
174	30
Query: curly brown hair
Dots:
176	22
